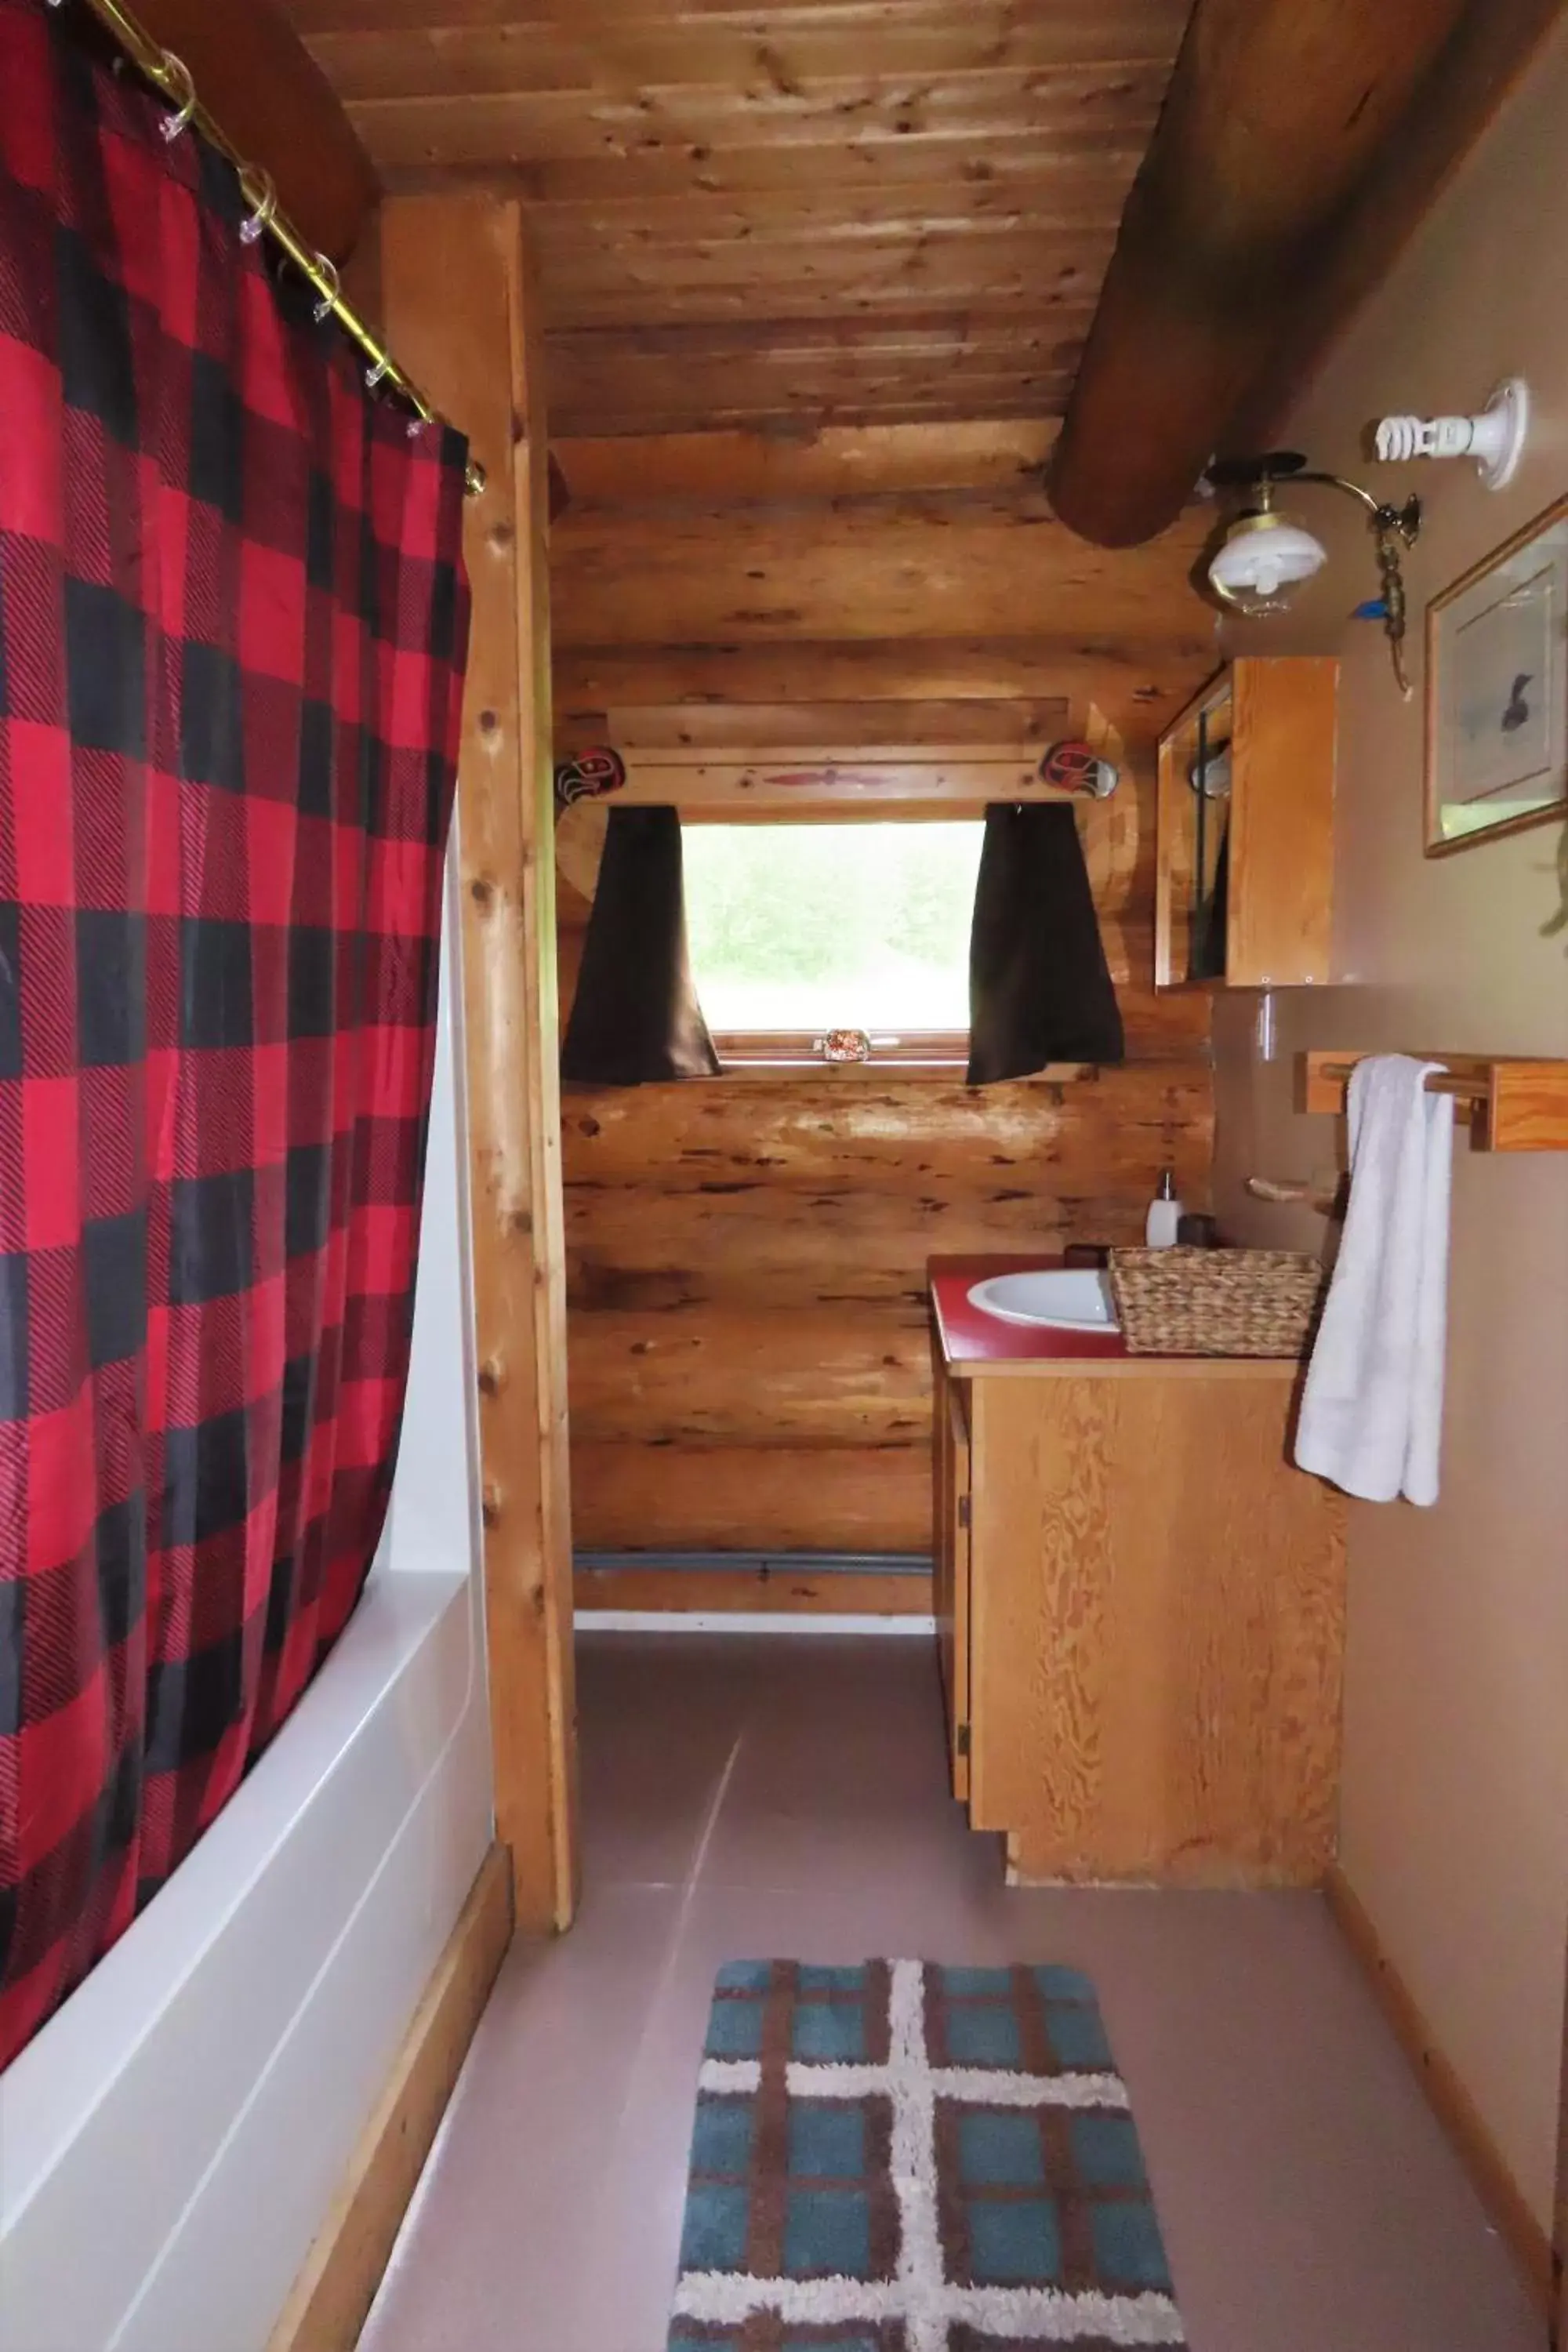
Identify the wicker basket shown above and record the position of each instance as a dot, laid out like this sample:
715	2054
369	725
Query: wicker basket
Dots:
1217	1302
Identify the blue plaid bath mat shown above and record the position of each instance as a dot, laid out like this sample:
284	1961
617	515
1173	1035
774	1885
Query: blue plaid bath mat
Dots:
900	2158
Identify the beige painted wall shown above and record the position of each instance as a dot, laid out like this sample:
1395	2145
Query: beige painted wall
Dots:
1454	1816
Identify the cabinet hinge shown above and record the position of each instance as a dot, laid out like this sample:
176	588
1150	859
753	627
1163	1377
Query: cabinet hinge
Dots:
961	1739
963	1510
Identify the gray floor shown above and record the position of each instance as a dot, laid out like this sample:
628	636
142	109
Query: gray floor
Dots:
754	1798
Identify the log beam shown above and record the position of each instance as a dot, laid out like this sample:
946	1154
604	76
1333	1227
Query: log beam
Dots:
1300	142
1486	56
278	110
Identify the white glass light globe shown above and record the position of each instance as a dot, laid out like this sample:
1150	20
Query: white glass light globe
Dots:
1264	554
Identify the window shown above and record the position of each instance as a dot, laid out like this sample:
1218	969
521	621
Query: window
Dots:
798	929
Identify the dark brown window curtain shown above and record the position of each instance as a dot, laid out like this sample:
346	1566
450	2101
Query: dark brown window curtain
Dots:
635	1018
1040	989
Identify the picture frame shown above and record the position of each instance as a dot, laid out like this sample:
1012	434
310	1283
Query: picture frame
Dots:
1497	691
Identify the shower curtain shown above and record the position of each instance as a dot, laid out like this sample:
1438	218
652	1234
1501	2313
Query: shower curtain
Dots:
233	622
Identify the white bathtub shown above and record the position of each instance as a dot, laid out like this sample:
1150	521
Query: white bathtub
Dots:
170	2140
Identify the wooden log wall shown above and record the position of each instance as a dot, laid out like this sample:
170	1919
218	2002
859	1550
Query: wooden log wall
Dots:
749	1361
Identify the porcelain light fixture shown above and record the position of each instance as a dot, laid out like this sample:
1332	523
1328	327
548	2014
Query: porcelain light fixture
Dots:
1261	555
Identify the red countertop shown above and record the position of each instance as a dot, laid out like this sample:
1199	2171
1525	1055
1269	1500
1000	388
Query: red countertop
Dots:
970	1338
973	1341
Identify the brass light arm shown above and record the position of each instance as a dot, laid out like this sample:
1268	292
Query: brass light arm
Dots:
1389	525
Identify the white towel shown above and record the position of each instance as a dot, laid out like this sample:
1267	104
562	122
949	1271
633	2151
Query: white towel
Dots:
1371	1410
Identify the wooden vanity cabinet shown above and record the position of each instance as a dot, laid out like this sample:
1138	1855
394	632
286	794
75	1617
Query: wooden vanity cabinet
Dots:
1142	1608
1244	827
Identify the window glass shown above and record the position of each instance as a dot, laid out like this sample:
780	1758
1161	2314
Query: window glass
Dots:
864	926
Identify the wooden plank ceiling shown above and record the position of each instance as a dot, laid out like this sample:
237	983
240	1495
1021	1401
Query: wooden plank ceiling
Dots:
794	213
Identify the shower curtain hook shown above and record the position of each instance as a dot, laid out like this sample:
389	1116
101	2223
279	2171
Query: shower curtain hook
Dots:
331	290
256	186
177	80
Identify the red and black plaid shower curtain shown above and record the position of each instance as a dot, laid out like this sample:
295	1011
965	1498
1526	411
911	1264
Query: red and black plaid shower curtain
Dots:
233	622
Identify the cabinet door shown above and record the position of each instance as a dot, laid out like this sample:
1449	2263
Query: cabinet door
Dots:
1282	843
950	1563
1243	869
1193	829
1156	1630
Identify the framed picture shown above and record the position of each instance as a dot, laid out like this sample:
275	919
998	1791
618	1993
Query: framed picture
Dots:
1497	691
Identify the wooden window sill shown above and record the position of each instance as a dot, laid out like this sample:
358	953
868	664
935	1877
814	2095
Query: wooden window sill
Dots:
939	1071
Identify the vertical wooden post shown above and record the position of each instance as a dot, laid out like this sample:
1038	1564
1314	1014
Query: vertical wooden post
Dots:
461	312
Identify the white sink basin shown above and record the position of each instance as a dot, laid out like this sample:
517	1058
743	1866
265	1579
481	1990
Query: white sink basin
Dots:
1069	1298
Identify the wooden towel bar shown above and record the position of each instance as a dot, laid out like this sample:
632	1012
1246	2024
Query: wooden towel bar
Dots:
1515	1105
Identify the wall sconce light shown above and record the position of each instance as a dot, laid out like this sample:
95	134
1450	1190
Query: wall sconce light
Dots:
1264	554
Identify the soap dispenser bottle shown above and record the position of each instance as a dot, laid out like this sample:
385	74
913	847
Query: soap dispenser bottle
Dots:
1165	1215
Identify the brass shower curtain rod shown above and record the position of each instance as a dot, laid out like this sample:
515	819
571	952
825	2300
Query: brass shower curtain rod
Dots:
171	77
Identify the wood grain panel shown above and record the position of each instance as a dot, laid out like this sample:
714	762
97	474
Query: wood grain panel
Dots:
1067	200
1074	20
793	166
646	173
870	778
1280	929
1156	1630
858	109
987	262
595	49
1142	684
796	385
853	726
942	566
908	1137
1282	714
962	337
912	328
813	1374
788	1592
753	1497
835	461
